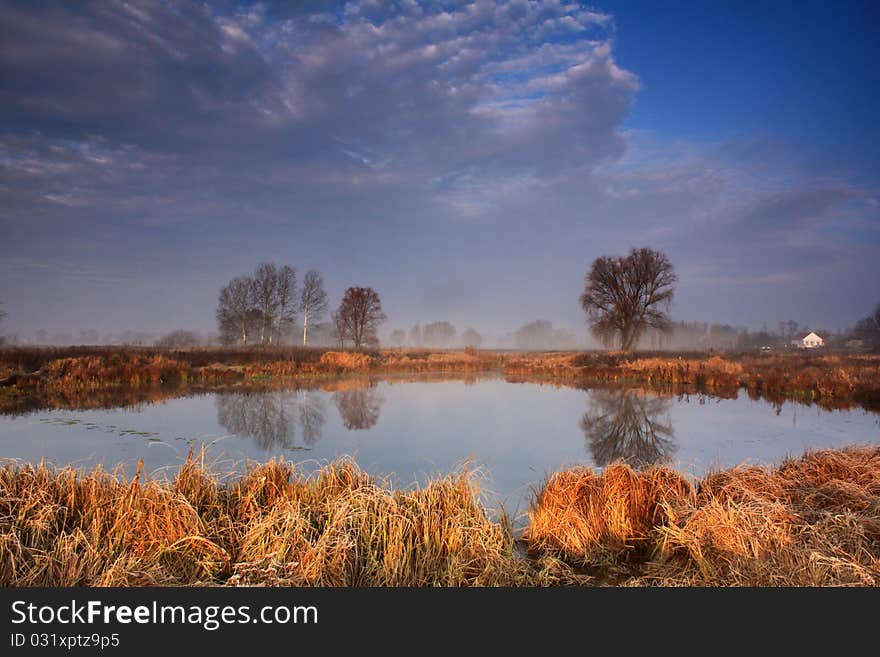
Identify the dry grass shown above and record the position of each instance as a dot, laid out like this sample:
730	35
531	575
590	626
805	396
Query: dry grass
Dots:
593	519
825	378
275	526
811	521
830	380
91	368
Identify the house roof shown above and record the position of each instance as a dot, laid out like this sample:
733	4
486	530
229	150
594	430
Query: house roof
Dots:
804	336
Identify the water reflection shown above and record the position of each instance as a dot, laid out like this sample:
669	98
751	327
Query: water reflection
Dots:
294	419
269	418
312	415
628	426
359	408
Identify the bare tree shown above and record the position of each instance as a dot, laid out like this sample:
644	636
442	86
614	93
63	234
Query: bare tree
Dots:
313	302
340	328
360	313
285	292
266	299
397	337
3	315
236	311
626	295
415	335
868	329
470	338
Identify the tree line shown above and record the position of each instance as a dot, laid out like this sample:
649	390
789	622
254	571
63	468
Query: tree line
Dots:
267	307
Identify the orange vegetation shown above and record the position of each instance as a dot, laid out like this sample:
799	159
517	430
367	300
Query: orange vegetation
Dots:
811	521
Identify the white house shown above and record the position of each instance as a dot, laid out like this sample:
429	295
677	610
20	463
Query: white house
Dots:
809	341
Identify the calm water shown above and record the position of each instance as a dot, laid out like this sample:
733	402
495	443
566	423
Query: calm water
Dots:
518	432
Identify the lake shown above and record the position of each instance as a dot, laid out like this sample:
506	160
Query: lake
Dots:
517	433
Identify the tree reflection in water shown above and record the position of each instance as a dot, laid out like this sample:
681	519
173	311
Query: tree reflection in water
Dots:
359	408
274	419
628	426
271	418
312	415
264	416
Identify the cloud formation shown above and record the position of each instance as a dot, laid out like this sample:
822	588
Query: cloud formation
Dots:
411	146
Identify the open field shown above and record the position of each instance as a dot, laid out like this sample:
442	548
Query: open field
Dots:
811	521
821	377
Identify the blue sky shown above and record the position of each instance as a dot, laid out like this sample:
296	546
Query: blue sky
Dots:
469	160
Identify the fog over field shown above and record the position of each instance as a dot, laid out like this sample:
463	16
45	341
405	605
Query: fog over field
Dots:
468	161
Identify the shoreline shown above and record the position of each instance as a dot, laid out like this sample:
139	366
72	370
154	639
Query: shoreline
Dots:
30	376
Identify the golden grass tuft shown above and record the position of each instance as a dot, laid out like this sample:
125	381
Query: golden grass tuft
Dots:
589	518
811	521
345	360
274	526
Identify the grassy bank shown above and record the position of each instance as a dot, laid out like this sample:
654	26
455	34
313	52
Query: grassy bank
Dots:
80	368
817	377
813	521
825	378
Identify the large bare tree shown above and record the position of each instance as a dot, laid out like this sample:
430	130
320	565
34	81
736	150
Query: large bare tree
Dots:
628	294
313	302
236	311
361	313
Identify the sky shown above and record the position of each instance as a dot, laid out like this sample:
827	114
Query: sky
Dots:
468	160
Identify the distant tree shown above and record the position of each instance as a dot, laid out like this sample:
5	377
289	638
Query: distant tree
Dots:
179	338
535	335
3	315
313	302
286	301
868	329
439	334
415	336
236	311
398	337
90	336
361	313
340	327
470	338
266	299
626	295
563	339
